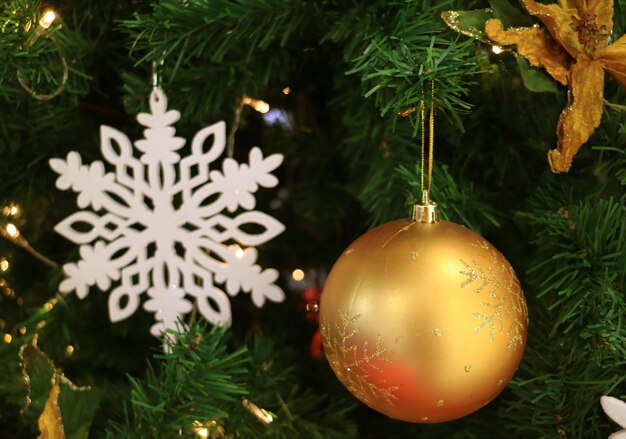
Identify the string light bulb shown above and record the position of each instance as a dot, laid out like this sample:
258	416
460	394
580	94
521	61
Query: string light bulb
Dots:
202	432
262	415
496	49
12	230
8	338
47	18
12	233
42	26
11	210
259	105
208	430
4	264
49	304
287	90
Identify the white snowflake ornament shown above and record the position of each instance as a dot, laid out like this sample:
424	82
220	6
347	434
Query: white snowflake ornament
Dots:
156	224
616	410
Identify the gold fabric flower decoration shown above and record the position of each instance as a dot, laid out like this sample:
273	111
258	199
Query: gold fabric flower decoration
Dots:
576	53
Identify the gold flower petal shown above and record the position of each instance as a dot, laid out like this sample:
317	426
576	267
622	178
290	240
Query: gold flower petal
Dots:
613	59
559	22
534	45
568	4
50	422
583	113
601	9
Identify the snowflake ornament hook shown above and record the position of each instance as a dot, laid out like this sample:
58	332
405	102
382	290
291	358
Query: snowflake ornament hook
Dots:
156	224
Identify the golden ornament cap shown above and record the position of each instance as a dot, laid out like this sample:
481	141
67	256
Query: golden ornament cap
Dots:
425	213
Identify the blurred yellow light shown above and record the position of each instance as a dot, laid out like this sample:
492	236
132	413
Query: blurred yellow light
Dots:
239	252
297	275
7	338
46	20
257	104
496	49
69	350
200	430
22	330
261	106
287	90
48	306
4	264
12	230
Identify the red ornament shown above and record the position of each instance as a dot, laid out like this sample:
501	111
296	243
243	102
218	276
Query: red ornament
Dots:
310	303
317	350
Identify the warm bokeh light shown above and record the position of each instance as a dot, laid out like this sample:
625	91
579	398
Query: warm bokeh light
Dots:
496	49
297	275
49	305
239	252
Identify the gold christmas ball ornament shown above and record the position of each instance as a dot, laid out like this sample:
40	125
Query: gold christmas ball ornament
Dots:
423	320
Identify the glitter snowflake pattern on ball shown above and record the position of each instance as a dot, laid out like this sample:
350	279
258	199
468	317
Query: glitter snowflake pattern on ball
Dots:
157	226
354	364
505	298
